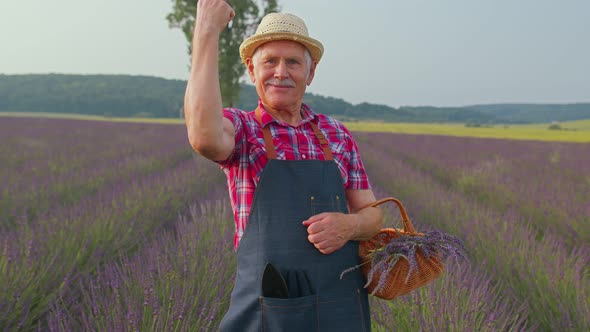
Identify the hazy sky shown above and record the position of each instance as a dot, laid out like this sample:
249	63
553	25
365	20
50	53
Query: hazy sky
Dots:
412	52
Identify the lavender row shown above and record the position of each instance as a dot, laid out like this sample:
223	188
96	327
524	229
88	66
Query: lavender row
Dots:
40	262
545	275
548	182
458	301
67	165
38	147
180	281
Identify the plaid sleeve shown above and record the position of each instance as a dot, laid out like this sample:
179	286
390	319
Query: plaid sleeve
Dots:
357	176
234	115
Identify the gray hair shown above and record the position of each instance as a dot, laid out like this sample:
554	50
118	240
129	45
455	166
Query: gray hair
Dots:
306	56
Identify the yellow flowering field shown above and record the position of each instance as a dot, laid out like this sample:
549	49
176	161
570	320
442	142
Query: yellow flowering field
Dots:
573	131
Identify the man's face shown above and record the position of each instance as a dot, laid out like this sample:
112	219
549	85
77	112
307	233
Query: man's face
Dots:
280	73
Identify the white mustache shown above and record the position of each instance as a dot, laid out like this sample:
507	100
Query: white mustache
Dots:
286	82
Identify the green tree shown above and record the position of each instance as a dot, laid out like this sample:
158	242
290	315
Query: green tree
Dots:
248	14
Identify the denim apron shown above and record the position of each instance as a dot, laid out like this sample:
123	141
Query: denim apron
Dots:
288	193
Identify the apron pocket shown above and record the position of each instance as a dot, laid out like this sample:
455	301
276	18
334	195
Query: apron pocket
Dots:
319	203
295	314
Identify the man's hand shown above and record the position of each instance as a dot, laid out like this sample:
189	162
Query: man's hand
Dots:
213	15
329	231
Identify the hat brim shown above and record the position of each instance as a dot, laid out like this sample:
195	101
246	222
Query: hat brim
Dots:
248	46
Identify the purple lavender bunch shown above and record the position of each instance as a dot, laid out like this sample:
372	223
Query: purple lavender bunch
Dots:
383	259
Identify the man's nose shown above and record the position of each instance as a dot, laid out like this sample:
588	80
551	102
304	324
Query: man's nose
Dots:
281	70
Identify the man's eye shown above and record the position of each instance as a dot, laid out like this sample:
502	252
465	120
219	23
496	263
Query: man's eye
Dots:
292	62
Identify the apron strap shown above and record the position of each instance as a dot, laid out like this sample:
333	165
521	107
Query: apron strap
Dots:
323	141
270	147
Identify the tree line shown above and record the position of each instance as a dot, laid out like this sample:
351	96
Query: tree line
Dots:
145	96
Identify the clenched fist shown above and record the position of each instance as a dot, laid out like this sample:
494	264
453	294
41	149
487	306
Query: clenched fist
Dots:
213	15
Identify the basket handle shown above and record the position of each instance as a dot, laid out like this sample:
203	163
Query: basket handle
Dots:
408	226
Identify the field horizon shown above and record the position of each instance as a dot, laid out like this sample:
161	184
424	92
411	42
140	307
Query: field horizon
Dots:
570	131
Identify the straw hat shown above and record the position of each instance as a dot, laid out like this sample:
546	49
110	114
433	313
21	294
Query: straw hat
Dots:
281	26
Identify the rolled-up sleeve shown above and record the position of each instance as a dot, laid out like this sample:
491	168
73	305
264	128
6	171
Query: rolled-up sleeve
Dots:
357	176
233	115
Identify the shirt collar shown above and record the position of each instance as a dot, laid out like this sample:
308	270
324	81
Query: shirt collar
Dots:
307	115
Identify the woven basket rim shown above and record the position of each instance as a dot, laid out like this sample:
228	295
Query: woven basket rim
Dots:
394	287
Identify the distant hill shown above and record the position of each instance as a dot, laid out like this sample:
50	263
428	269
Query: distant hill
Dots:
145	96
109	95
527	113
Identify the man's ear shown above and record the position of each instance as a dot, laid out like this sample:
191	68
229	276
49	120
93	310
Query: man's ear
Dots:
250	68
311	73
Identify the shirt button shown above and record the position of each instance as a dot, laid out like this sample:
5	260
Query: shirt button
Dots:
304	156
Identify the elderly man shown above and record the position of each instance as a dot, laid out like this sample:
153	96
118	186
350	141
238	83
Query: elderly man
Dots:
295	177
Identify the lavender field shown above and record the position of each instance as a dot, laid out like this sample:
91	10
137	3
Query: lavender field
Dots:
120	227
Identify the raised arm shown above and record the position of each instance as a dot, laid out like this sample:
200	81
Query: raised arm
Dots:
209	133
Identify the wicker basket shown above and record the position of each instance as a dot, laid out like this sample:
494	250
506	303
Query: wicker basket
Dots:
428	269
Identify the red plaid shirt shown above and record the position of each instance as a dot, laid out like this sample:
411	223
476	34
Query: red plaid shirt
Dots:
244	166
